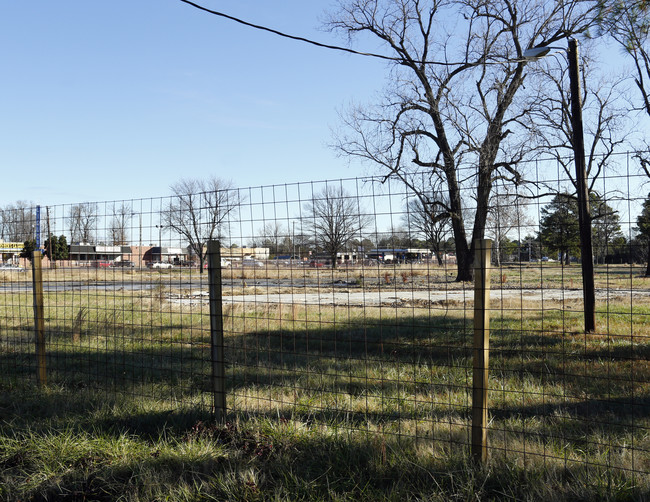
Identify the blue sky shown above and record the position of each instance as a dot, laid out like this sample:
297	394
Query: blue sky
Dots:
118	100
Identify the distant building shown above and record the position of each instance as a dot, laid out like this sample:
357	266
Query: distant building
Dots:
88	253
241	253
402	255
175	255
9	251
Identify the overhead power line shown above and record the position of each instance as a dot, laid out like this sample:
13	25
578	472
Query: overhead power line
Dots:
313	42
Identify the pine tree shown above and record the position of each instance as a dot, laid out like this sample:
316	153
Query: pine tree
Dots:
559	226
643	226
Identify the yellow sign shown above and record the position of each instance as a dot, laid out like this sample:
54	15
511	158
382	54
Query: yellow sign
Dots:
11	246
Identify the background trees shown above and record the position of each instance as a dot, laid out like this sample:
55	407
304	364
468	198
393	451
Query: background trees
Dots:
559	227
606	228
549	120
82	222
455	117
197	210
643	226
506	215
426	215
17	221
276	239
121	214
559	230
334	219
56	248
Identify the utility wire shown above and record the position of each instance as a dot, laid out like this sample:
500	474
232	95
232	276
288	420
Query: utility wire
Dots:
313	42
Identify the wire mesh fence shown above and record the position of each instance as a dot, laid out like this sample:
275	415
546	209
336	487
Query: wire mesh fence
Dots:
339	309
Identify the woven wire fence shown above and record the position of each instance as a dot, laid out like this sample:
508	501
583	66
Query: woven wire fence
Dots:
341	310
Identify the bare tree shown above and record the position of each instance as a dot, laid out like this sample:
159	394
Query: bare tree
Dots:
628	24
452	109
275	238
121	217
334	219
505	216
426	215
197	211
82	222
550	123
18	221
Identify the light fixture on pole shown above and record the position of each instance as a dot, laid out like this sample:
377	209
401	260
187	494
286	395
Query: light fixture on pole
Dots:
160	227
584	216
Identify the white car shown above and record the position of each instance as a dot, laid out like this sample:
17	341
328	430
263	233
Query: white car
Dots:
161	264
251	262
10	268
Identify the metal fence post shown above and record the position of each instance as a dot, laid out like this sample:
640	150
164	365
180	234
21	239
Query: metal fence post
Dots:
481	349
39	320
216	329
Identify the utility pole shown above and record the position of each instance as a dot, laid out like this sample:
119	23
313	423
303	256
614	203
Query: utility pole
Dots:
584	216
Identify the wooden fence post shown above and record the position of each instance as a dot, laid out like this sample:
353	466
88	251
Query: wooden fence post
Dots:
482	258
39	319
216	329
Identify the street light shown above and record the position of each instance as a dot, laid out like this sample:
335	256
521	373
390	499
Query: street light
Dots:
160	227
584	216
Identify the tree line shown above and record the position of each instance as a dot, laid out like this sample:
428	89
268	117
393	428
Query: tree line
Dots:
334	221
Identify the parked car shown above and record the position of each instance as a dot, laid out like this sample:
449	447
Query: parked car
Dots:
224	264
160	264
124	264
251	262
8	267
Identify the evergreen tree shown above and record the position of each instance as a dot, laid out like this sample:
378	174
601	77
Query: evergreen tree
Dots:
62	250
28	249
559	227
605	229
643	226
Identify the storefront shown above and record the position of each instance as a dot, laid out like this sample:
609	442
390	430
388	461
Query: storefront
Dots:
10	251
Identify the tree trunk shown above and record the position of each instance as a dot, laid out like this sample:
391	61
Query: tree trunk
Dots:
465	260
647	270
464	269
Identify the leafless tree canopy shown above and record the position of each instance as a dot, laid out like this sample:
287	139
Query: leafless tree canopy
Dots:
197	209
82	222
505	218
426	215
549	121
454	119
17	221
119	225
334	218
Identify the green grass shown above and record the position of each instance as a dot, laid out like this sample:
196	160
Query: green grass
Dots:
59	445
324	403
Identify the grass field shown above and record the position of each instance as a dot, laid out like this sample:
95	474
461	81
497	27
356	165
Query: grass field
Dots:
325	403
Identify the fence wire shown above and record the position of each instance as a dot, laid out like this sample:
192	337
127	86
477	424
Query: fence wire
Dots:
341	310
